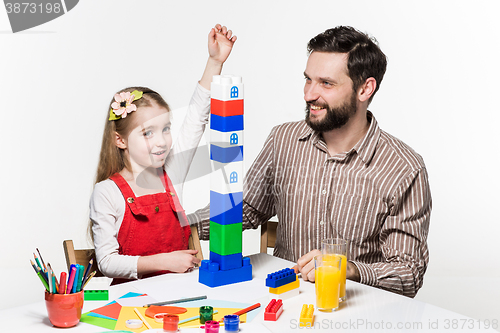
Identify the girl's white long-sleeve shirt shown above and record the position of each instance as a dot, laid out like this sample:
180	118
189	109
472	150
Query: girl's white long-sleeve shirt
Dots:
107	204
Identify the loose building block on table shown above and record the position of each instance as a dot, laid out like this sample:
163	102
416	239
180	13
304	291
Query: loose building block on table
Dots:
280	278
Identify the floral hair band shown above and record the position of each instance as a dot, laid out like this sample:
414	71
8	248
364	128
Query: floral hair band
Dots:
123	104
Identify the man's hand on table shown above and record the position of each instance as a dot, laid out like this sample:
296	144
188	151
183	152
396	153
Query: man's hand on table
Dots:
305	266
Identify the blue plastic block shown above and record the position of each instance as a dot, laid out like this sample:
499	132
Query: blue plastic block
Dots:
212	276
280	278
226	208
226	155
226	124
227	262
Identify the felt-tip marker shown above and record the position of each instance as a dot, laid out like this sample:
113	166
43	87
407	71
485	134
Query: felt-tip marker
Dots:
62	281
71	279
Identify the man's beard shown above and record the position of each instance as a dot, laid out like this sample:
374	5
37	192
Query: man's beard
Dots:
334	117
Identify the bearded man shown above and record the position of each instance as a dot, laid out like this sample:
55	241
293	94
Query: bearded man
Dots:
336	174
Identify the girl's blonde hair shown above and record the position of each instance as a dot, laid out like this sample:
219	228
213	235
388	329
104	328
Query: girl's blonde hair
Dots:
113	159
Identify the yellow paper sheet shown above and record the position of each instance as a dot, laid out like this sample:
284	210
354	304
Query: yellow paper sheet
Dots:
127	312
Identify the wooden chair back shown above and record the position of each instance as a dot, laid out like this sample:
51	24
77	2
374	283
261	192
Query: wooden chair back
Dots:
194	242
80	257
267	235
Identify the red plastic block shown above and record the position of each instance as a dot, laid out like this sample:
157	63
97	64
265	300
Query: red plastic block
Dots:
273	310
227	108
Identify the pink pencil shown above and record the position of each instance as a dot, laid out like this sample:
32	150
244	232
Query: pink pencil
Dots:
71	280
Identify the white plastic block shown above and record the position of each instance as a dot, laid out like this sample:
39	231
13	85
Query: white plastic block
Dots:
98	283
285	295
226	88
226	177
226	139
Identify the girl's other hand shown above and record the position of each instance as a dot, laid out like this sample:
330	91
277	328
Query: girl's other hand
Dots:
220	43
181	261
176	261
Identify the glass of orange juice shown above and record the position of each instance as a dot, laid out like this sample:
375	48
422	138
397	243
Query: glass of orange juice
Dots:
327	274
337	246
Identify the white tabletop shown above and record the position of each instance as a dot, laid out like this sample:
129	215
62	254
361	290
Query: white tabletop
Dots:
367	309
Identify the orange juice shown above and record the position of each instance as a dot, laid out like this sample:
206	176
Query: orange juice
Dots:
327	287
337	246
343	269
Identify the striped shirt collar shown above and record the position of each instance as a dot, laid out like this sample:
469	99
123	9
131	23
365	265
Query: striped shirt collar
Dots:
365	148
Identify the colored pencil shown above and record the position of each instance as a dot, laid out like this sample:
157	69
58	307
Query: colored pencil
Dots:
87	271
245	310
178	301
40	255
38	270
55	283
194	318
49	279
88	279
34	267
38	262
142	318
39	273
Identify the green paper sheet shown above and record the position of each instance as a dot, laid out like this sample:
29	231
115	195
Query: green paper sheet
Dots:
101	322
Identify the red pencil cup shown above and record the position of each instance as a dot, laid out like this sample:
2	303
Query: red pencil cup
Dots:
64	310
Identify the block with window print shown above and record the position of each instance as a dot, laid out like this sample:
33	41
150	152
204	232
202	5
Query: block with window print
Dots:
226	139
227	88
226	177
226	264
226	147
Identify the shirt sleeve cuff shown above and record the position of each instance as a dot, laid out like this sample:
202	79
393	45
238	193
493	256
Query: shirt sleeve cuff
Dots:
120	266
201	219
133	273
366	273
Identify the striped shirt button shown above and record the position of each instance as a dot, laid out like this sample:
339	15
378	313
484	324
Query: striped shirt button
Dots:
324	191
321	222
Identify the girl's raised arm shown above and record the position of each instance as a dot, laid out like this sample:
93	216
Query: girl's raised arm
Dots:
220	44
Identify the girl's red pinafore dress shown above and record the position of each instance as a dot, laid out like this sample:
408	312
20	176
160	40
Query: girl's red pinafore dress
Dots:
151	223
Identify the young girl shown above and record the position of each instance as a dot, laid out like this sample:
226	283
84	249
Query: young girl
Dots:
138	225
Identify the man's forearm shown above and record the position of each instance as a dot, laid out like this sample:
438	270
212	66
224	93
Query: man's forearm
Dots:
352	272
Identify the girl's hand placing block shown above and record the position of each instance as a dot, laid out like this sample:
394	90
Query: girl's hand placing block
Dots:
220	44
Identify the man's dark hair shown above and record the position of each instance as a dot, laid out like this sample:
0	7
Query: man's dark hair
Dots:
364	57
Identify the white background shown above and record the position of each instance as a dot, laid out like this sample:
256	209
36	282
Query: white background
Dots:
439	95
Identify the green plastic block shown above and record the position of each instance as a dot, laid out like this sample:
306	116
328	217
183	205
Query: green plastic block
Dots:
225	239
96	295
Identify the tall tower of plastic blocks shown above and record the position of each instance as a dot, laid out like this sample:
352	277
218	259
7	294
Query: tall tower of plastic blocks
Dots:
226	264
